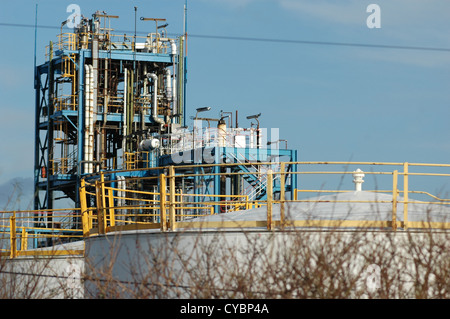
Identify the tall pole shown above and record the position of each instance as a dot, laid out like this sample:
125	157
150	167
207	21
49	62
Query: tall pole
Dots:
134	48
185	63
35	44
36	123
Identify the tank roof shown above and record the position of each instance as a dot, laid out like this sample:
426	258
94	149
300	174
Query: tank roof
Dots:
353	205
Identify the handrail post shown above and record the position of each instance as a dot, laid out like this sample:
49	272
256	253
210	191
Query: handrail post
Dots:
103	197
282	193
99	208
269	199
172	221
100	193
162	202
112	214
24	240
394	199
84	211
405	195
12	235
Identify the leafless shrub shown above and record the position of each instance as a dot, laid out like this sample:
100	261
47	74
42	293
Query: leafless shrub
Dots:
296	263
292	263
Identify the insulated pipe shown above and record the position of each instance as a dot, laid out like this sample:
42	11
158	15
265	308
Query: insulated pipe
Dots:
86	119
91	120
173	48
121	193
222	132
145	81
155	99
169	91
124	111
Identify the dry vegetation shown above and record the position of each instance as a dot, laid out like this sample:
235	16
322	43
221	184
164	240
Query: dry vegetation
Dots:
289	264
294	263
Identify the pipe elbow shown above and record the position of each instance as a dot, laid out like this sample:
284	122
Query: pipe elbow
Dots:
155	117
153	76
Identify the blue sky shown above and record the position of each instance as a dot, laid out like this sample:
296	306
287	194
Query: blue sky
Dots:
331	102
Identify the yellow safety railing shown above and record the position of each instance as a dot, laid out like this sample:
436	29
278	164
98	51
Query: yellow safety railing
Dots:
167	210
67	41
19	227
154	42
134	160
118	208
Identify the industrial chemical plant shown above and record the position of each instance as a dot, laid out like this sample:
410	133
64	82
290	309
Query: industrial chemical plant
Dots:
111	136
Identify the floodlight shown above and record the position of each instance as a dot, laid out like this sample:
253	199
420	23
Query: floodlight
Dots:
253	116
203	109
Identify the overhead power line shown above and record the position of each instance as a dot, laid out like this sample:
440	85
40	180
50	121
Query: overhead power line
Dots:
367	45
255	39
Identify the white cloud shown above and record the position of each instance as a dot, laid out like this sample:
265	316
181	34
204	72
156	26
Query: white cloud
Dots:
424	59
399	12
343	12
401	19
234	4
415	23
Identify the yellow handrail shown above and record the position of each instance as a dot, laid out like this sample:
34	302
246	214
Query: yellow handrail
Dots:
164	201
167	210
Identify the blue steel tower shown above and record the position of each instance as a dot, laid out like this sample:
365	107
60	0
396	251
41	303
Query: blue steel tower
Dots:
112	107
99	97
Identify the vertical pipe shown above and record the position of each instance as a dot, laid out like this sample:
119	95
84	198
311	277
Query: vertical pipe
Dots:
185	64
103	197
294	167
12	235
185	25
282	193
86	120
112	215
95	57
172	220
169	91
35	45
24	240
91	119
155	117
84	211
37	150
222	133
100	208
180	81
269	199
124	130
121	194
173	48
394	199
162	202
405	195
105	114
130	108
50	138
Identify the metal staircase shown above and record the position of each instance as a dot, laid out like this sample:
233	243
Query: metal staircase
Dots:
255	176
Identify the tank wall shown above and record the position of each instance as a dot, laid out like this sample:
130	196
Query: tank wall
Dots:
42	277
272	264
